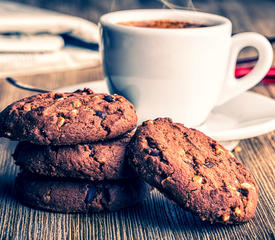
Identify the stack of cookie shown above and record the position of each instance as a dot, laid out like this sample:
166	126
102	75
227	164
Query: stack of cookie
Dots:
72	151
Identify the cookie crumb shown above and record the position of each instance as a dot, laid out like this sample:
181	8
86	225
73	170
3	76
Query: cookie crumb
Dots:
77	104
60	122
46	198
237	149
219	150
95	97
197	179
238	211
225	218
247	185
27	107
231	154
182	153
74	111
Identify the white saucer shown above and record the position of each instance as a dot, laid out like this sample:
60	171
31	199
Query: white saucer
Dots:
248	115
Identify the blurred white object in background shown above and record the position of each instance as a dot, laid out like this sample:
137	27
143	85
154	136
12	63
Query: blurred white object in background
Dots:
31	41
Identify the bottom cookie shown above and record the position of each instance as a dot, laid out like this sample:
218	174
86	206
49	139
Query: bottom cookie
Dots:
67	196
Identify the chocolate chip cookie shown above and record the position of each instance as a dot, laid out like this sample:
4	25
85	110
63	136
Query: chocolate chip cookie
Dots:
67	118
194	171
68	196
96	162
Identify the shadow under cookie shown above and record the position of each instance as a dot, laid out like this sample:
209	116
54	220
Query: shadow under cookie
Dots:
72	196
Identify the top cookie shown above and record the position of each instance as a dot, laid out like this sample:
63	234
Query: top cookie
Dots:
194	171
67	118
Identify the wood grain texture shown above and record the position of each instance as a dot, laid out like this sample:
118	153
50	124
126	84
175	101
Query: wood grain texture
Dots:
157	218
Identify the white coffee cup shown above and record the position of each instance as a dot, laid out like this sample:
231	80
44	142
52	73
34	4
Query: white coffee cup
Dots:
177	73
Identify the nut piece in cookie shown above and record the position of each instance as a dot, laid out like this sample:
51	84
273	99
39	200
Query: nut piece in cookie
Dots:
194	171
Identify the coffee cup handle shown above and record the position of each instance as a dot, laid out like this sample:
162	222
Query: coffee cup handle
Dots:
232	86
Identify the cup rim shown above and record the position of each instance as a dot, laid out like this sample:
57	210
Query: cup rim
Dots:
109	20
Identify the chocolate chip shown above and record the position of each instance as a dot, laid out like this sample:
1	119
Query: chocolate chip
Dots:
147	150
88	91
101	114
85	90
107	195
213	193
243	191
90	194
190	164
151	142
185	134
92	153
109	98
209	164
154	152
40	110
213	146
58	95
163	175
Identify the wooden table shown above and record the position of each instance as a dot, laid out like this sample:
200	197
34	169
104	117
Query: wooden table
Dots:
156	218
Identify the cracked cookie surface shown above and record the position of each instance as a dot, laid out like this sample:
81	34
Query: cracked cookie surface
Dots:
194	171
68	196
67	118
95	161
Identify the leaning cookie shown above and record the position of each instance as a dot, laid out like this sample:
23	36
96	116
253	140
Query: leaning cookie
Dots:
95	161
194	171
67	118
68	196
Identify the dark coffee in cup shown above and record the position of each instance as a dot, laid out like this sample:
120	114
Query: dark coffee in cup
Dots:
162	23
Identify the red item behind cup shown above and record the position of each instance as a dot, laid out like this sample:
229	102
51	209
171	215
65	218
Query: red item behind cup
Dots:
268	79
